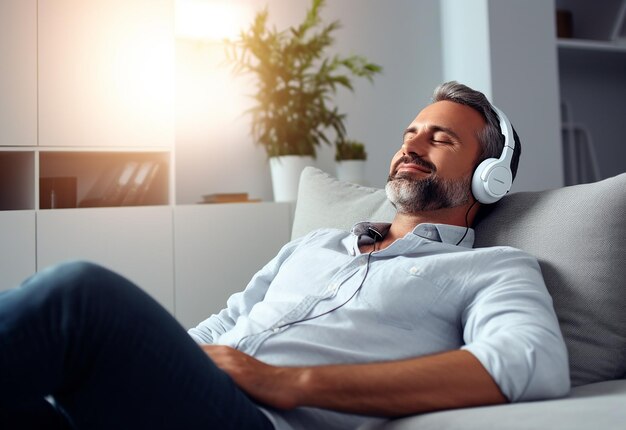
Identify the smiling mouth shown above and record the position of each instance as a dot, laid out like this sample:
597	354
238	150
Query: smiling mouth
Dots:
412	163
412	167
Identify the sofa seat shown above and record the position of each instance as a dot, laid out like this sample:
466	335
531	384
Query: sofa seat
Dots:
593	406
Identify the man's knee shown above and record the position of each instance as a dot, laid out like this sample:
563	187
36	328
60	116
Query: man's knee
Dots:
82	278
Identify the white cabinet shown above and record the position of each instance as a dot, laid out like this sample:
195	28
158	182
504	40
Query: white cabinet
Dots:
17	247
86	103
106	73
18	75
136	242
218	248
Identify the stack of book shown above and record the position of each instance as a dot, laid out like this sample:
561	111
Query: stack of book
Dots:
228	198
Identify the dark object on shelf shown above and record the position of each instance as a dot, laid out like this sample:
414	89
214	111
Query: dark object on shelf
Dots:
57	193
564	24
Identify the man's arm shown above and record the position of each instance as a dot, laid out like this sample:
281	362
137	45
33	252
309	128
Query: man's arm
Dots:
443	381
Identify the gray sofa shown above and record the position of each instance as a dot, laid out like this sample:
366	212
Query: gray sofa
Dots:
578	234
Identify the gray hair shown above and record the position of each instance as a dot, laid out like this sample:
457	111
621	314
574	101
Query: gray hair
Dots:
490	138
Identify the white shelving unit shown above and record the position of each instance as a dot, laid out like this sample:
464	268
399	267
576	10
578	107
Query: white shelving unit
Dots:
592	80
580	45
18	247
18	78
88	99
90	90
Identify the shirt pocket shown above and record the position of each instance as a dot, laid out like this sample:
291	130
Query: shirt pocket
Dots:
401	297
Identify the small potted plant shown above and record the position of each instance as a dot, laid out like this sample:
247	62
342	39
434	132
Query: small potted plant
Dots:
296	83
350	156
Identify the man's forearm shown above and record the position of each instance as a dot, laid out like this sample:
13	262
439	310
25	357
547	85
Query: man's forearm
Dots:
444	381
449	380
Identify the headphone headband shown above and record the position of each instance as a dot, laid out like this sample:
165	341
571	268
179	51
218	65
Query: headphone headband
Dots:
507	130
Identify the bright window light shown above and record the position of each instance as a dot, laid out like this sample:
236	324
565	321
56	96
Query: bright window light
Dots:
210	20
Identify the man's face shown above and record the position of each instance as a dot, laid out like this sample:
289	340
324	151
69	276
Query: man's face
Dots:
433	168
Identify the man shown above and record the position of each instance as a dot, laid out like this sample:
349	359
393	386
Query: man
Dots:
339	328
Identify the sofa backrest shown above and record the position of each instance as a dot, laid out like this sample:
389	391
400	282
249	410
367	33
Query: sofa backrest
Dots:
577	233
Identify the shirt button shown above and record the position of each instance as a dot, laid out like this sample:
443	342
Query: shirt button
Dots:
276	329
413	270
333	287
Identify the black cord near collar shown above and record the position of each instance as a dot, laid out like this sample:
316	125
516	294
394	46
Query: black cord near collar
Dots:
466	222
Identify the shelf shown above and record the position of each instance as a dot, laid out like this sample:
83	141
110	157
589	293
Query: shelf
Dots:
17	180
591	45
105	149
70	179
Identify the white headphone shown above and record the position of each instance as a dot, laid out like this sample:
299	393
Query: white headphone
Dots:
493	177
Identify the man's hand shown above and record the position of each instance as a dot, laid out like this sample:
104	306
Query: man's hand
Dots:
270	385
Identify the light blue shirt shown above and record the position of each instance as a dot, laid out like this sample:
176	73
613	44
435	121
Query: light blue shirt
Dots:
423	294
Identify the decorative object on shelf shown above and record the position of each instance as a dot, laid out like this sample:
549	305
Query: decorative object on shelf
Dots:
580	160
228	198
297	80
57	192
564	24
350	156
619	29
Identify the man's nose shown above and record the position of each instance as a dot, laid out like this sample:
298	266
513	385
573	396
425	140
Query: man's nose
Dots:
415	144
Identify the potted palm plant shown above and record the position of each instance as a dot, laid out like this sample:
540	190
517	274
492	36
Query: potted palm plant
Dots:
350	156
297	79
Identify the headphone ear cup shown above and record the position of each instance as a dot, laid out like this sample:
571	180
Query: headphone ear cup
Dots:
491	181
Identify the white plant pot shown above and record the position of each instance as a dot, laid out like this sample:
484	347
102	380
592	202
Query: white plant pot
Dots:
351	171
286	172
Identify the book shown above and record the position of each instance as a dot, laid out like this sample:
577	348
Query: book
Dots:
225	198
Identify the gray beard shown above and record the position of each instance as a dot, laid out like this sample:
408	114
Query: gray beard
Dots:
409	195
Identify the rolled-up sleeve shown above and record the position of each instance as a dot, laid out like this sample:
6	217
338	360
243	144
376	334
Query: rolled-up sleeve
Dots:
510	326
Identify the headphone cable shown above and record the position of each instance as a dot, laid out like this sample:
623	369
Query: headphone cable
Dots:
367	269
466	222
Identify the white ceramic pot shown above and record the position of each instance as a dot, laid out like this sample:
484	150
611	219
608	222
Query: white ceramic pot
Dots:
351	171
286	172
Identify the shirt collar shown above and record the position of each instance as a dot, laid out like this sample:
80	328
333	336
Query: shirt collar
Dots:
444	233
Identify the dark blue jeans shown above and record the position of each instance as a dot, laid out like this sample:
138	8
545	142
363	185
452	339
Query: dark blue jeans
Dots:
110	357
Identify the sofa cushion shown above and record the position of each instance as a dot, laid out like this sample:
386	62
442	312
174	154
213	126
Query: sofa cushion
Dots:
324	201
577	233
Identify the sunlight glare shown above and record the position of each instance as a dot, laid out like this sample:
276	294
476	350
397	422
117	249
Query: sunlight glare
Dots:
210	20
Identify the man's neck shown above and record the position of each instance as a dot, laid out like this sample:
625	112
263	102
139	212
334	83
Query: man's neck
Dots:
405	223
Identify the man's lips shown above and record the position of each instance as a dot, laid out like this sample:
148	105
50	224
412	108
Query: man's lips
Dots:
412	168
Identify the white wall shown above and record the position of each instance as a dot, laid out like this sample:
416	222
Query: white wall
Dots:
526	84
507	49
214	151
